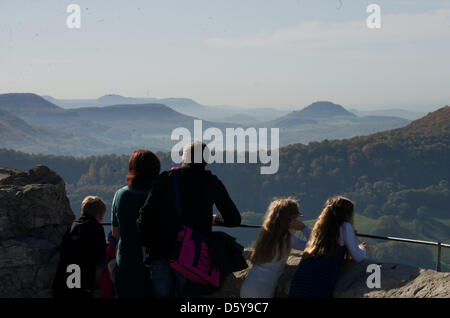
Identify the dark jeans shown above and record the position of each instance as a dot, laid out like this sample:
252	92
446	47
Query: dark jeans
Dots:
166	282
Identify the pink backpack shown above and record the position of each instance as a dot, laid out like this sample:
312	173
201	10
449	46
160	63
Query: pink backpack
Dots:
193	260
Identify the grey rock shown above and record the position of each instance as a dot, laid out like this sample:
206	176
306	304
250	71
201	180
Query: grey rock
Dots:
46	273
34	214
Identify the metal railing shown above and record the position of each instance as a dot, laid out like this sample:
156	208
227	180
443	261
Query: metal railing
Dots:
400	239
439	245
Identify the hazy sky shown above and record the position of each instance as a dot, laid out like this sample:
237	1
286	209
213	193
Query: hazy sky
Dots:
249	53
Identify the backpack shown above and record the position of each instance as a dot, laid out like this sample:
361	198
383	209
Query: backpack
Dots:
192	258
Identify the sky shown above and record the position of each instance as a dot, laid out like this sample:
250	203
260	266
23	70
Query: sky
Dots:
246	53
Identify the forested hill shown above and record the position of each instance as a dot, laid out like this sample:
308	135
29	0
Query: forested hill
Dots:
415	156
398	180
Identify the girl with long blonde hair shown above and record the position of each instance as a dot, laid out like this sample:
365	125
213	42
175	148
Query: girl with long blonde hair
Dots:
272	248
333	238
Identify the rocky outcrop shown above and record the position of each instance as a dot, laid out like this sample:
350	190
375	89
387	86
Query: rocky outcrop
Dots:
34	214
397	281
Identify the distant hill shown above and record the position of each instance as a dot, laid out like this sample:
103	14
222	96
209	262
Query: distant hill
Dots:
131	125
27	105
15	133
186	106
148	119
114	99
323	109
120	128
10	121
318	111
326	120
105	100
132	112
38	111
93	126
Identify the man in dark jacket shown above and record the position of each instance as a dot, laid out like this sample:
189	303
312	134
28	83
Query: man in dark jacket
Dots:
158	221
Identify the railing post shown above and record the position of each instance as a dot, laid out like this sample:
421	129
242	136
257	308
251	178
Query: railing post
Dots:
438	263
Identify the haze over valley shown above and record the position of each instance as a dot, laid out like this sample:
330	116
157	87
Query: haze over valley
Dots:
115	124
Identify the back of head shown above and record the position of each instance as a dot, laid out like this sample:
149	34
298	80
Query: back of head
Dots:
143	169
196	153
93	207
323	241
274	237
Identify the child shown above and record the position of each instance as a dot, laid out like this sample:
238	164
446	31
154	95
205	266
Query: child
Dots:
272	248
83	245
332	239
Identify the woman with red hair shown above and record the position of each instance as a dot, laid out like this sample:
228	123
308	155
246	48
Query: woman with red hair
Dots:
131	279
